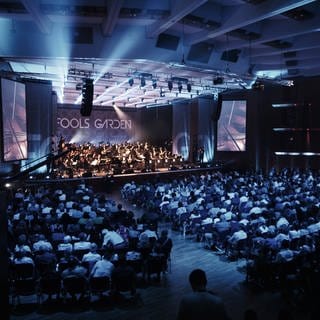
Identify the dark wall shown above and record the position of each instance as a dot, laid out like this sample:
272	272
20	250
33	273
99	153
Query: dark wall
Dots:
300	123
254	132
273	132
40	106
193	127
157	125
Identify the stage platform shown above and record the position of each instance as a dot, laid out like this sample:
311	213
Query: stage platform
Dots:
103	182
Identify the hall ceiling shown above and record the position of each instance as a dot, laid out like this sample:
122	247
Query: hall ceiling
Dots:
201	46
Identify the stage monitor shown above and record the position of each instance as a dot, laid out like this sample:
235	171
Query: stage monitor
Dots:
231	135
14	120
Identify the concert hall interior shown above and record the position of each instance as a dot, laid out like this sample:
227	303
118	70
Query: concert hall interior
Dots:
141	140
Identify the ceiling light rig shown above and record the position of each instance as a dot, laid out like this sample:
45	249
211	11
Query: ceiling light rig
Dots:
149	79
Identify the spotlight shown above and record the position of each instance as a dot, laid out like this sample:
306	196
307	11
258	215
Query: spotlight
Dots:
130	81
179	87
154	83
189	87
142	82
170	85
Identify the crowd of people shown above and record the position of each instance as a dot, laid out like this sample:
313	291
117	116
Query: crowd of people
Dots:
272	220
107	158
75	232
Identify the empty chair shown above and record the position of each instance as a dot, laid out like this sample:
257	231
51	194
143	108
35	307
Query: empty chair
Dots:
23	282
123	277
73	286
155	265
99	285
49	284
23	270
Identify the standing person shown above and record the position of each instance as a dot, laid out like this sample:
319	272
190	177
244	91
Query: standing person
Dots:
201	303
164	246
201	154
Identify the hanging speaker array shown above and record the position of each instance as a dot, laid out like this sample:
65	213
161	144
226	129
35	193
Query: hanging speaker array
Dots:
87	97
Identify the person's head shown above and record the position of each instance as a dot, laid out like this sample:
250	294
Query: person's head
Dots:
93	247
164	233
250	314
285	314
198	279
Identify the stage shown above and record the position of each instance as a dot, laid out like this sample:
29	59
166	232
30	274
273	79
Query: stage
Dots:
104	182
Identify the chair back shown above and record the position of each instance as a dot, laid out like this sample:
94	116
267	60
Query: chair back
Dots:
98	285
74	285
23	271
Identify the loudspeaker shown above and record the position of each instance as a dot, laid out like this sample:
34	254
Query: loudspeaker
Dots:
167	41
217	108
87	97
200	52
80	35
291	63
231	55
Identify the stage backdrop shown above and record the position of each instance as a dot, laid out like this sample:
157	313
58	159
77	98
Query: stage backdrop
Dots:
193	128
107	125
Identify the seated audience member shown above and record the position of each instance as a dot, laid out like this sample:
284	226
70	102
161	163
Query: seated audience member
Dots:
201	303
22	257
42	242
124	233
144	246
92	256
82	244
237	236
66	245
22	244
149	232
285	254
45	260
103	267
74	269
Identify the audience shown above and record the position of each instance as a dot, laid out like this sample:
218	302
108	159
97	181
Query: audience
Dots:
278	216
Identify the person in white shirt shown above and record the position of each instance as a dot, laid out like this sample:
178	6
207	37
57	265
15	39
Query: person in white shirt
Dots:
66	245
91	257
149	233
82	244
112	238
42	242
103	268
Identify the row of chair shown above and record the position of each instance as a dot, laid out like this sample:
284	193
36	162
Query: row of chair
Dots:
70	287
